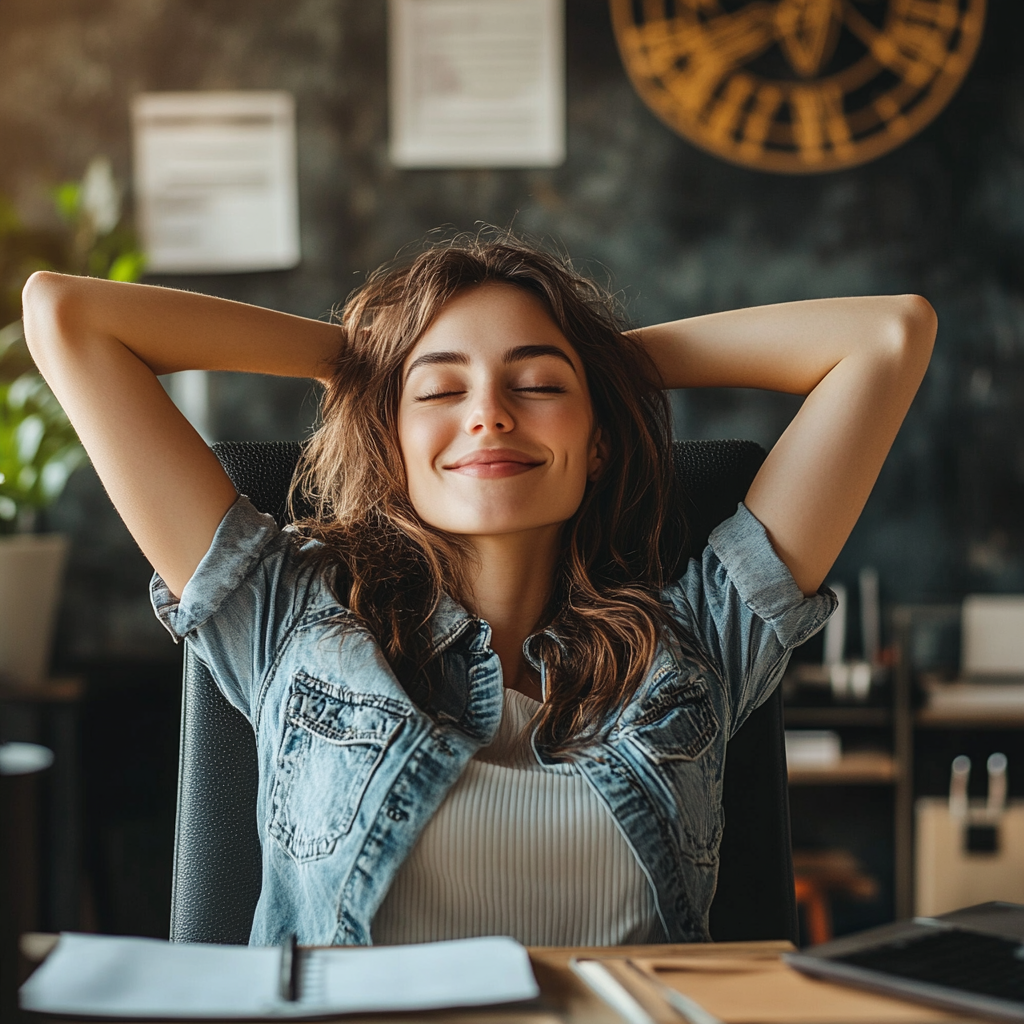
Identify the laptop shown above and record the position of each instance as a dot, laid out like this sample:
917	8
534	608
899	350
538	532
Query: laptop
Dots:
970	959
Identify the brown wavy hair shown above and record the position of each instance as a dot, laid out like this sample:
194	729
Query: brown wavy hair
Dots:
626	539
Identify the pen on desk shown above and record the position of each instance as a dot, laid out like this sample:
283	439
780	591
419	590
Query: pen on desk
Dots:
692	1012
290	957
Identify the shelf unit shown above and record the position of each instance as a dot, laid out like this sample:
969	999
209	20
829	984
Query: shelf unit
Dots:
858	768
901	720
931	718
893	767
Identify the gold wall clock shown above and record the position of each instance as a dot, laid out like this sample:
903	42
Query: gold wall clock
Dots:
797	86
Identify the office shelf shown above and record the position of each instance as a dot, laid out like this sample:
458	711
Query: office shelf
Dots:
892	767
859	767
969	718
829	717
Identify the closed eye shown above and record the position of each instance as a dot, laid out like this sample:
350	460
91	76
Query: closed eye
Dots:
438	394
540	389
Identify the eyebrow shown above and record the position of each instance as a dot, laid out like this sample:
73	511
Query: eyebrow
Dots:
518	354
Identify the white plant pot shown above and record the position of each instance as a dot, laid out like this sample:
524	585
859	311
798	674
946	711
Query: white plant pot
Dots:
31	571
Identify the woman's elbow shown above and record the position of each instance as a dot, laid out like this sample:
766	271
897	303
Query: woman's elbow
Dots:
46	308
918	324
911	332
41	290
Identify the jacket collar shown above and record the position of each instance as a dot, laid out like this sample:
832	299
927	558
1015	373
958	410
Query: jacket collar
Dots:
450	621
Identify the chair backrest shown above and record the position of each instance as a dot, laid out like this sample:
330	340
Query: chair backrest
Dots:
217	858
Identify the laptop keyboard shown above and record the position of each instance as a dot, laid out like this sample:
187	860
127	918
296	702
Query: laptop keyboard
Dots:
983	964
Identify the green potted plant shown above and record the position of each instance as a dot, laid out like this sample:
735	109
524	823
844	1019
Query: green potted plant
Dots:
39	449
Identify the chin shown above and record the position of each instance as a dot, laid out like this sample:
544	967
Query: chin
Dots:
495	519
490	528
492	525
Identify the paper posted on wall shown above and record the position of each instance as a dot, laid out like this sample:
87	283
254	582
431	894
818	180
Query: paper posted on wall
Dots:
215	181
477	83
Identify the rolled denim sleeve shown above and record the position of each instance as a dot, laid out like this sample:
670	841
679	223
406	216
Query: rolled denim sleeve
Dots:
238	604
745	607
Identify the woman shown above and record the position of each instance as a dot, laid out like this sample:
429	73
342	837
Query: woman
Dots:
489	693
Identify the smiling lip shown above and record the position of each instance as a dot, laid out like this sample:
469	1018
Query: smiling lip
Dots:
491	463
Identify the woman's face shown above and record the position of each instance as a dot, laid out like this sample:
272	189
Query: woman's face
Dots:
495	421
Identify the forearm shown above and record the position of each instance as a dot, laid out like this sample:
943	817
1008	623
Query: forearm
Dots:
859	361
101	345
789	347
171	330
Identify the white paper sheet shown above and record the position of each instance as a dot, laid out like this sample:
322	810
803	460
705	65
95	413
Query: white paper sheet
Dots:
109	976
477	83
215	180
113	976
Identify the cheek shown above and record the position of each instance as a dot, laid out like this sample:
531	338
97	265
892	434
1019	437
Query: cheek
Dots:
572	430
421	440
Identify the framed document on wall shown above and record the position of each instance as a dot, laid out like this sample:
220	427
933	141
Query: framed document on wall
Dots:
215	181
477	83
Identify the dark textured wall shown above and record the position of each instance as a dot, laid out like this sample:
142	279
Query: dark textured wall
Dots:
679	231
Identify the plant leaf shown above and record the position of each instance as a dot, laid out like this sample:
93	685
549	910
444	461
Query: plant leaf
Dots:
129	266
27	437
67	197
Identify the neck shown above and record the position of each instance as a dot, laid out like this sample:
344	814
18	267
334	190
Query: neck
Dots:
509	591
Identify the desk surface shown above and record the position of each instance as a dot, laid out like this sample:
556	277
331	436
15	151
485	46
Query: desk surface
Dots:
741	982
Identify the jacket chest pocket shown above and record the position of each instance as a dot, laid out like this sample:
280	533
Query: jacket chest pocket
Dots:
333	741
678	724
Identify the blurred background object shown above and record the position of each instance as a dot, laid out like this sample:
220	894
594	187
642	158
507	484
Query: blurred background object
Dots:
969	850
38	447
215	180
19	862
822	875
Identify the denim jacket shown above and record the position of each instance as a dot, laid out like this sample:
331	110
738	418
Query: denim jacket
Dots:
351	770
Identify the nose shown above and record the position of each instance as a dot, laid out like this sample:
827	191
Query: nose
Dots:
489	413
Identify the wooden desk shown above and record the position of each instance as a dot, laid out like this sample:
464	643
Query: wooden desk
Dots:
742	982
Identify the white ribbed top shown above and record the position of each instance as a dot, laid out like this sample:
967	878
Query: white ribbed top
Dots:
523	849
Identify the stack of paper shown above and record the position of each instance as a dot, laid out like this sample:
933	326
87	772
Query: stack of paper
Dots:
109	976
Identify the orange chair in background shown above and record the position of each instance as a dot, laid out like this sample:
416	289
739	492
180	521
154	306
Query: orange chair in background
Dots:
818	876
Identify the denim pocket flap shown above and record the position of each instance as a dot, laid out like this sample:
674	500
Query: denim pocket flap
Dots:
677	724
333	740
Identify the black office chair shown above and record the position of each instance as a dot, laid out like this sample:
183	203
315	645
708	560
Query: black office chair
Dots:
217	864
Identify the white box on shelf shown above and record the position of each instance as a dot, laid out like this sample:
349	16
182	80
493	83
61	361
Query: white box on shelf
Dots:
949	874
992	637
813	748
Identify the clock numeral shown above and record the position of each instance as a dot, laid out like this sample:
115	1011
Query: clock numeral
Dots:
914	43
920	29
694	85
890	114
768	100
653	45
679	55
727	112
691	56
654	10
940	14
819	122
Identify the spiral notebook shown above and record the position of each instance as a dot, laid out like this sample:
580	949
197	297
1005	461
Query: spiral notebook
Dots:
118	977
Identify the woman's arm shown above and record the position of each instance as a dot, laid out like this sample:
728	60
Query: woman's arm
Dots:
100	345
858	360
